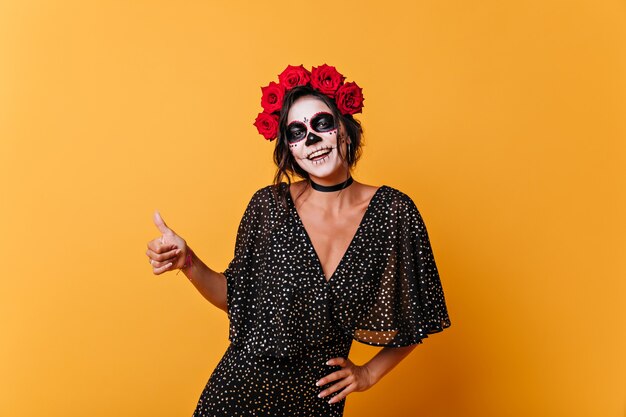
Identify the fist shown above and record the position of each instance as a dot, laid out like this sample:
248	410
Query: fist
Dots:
166	252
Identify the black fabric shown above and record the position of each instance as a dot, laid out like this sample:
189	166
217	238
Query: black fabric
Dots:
248	385
287	320
385	291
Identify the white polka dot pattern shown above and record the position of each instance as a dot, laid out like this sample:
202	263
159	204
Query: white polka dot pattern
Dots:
287	320
385	291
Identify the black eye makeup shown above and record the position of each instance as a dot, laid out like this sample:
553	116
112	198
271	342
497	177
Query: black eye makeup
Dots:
323	122
320	122
296	131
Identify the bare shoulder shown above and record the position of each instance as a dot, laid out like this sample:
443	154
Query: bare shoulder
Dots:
296	189
297	186
368	188
366	191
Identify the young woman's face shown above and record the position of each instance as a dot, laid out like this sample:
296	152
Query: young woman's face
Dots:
312	135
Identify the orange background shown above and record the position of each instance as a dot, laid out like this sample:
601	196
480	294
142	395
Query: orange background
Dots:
504	121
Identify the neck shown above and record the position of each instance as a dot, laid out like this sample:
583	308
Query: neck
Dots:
327	203
331	180
327	188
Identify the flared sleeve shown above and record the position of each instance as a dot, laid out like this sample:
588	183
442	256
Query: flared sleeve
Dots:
260	295
386	290
240	284
399	299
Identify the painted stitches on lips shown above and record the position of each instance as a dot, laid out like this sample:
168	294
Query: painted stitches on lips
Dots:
319	153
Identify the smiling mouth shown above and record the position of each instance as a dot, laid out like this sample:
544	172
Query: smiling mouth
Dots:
319	154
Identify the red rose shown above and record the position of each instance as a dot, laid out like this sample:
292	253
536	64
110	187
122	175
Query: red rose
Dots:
294	76
272	98
267	125
326	79
349	98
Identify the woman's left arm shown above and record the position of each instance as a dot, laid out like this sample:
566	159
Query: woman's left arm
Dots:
361	377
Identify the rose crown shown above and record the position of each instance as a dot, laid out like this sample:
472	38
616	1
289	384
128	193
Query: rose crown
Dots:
325	79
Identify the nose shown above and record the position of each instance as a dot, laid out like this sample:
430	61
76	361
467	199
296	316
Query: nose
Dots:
311	139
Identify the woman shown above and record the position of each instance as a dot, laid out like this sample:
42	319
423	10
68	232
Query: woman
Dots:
317	263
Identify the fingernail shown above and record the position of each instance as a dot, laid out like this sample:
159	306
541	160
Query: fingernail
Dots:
328	363
178	251
317	383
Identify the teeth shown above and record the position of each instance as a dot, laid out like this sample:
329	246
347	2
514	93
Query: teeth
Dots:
318	152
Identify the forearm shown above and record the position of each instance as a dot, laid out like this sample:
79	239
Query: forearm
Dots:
385	360
211	284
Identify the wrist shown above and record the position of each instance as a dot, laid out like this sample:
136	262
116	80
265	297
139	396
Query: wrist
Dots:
373	376
190	260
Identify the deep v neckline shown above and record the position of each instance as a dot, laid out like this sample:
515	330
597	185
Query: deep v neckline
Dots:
350	245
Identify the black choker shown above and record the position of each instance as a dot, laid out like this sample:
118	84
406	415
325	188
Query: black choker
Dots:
330	188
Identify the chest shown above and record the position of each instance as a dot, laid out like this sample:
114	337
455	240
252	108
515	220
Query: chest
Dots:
331	236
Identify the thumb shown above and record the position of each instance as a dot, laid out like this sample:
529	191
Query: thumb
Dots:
160	224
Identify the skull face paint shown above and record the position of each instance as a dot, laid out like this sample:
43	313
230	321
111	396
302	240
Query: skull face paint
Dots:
313	135
321	122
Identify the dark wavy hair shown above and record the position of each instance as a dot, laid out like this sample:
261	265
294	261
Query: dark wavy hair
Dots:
286	165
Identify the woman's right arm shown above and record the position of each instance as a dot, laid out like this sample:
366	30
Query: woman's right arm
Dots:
211	284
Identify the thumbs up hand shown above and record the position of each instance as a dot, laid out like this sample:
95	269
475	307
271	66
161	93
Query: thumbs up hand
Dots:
168	251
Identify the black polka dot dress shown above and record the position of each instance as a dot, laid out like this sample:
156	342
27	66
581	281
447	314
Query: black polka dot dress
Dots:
287	319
